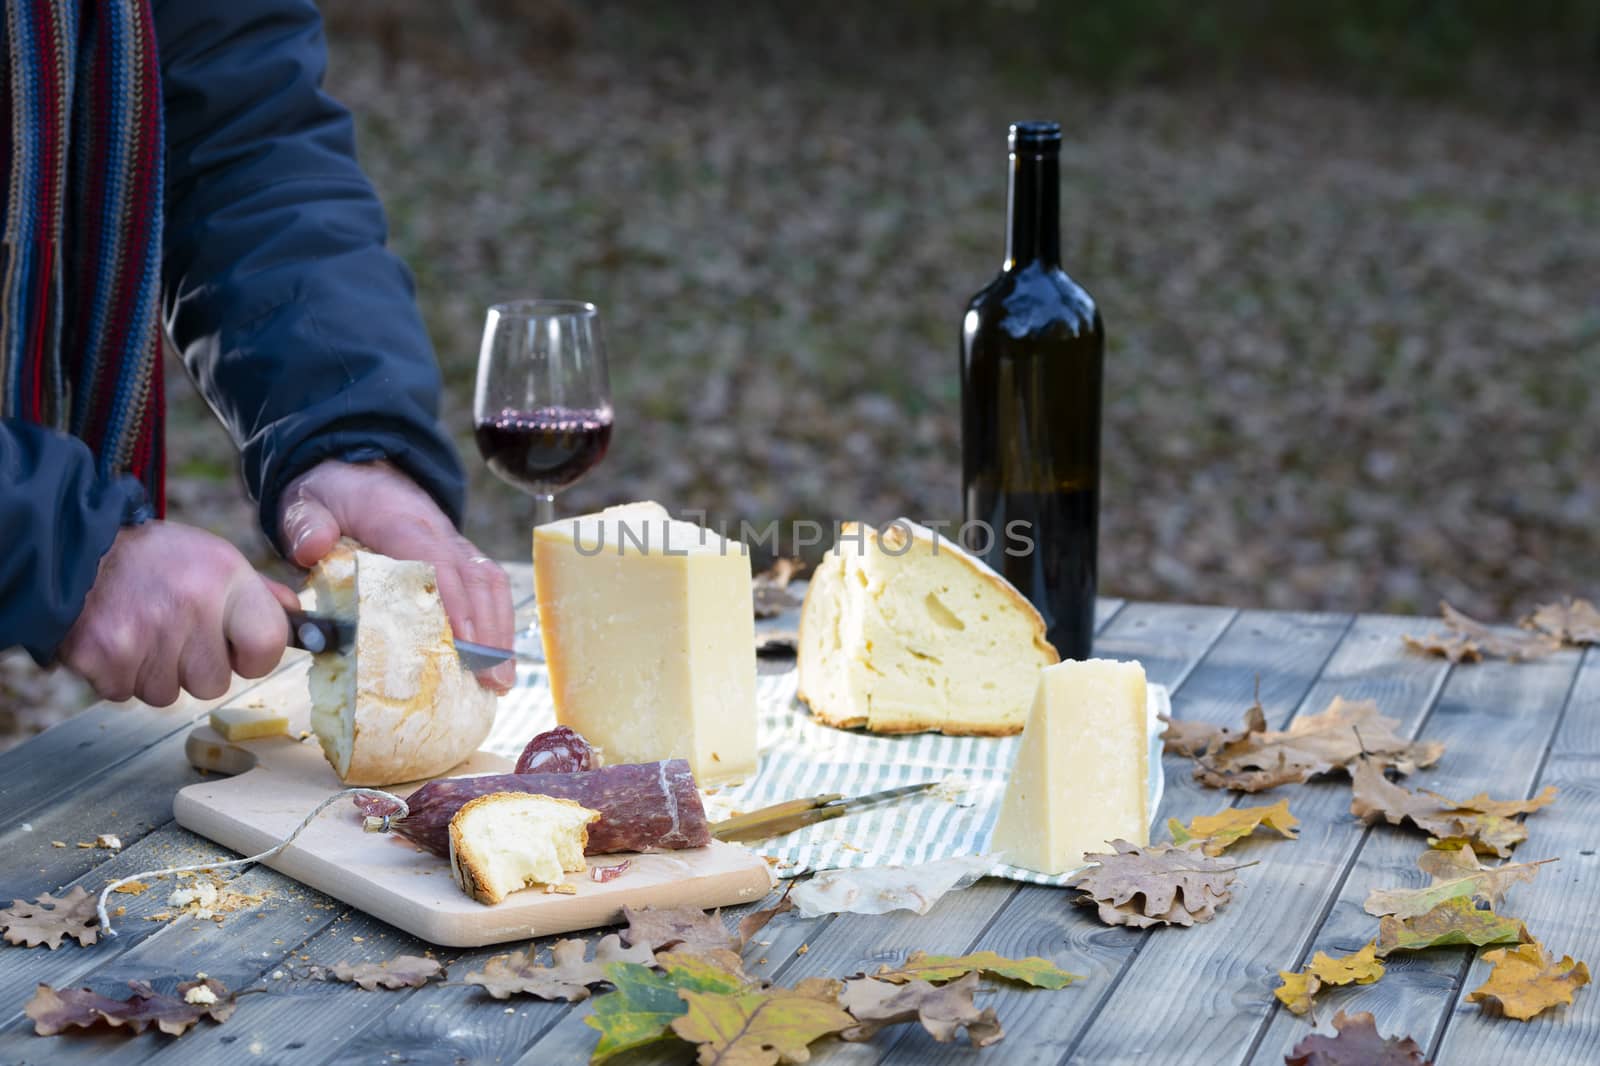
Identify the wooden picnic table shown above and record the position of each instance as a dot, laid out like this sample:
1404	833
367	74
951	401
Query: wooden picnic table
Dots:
1183	996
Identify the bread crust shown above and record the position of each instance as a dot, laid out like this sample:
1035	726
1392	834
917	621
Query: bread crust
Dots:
895	534
466	866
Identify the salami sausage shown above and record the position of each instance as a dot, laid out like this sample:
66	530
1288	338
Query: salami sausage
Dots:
561	750
643	806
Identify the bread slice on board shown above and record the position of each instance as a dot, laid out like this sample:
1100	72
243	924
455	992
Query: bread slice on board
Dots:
507	841
903	631
398	706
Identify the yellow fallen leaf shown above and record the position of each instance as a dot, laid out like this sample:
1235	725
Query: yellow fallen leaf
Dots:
758	1028
1358	968
1527	981
1215	833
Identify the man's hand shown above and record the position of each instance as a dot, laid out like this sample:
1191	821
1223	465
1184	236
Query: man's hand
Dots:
175	607
389	513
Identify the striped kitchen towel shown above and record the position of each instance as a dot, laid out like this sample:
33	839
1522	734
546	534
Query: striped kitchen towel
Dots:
801	757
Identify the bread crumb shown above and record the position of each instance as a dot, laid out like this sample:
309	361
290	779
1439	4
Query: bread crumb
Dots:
200	995
58	843
802	949
132	888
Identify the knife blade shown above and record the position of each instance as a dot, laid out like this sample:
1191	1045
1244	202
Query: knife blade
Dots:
318	633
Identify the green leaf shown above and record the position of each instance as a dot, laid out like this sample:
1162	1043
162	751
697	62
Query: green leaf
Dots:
1453	923
1041	973
644	1004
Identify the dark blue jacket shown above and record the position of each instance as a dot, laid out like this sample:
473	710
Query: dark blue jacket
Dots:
294	321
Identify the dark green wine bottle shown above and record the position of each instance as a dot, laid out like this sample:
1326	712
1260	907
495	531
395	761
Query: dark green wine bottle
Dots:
1032	360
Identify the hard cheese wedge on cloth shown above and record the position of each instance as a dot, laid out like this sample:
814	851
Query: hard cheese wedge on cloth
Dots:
802	757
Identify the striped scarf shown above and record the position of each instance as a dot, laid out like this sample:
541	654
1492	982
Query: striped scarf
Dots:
80	326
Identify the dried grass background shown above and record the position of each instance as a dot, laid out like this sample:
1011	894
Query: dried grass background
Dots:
1354	326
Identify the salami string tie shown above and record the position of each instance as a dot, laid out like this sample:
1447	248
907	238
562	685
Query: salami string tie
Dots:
382	825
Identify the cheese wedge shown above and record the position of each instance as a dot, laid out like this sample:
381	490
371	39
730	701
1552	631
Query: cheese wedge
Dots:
507	841
398	706
1081	775
903	631
649	633
249	723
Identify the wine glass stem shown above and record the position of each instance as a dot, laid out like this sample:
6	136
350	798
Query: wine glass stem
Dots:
544	508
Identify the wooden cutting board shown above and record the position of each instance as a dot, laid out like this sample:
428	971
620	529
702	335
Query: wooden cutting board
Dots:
282	779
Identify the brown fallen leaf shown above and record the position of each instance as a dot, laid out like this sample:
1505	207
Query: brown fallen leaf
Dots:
942	1009
1468	640
47	919
1358	1043
677	929
1358	968
1313	744
55	1011
1454	923
1186	737
1477	822
1178	886
757	920
567	977
1574	622
1215	833
759	1028
1527	980
402	971
1453	872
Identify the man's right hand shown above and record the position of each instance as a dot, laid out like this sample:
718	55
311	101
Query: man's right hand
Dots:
176	607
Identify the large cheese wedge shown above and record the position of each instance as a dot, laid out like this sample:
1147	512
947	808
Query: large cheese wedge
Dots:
649	633
507	841
903	631
1081	775
398	706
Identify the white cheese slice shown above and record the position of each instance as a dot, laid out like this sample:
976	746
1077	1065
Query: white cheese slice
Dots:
649	634
249	723
1081	773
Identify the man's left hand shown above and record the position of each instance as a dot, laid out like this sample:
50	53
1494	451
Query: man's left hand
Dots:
384	510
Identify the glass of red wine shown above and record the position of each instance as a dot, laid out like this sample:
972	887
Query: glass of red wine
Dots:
543	403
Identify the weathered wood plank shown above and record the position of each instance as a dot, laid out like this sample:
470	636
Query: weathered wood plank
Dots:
1287	652
1496	720
1170	639
1559	907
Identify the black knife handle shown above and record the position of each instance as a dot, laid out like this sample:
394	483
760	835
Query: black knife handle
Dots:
315	634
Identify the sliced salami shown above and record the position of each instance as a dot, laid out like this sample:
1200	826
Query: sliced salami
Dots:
561	750
643	806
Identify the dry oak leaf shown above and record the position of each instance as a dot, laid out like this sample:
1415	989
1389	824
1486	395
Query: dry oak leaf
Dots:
761	1027
1573	622
1313	744
942	1009
1033	970
1453	923
1467	640
755	921
402	971
1527	981
1358	1043
55	1011
643	1003
770	588
568	976
47	919
1215	833
1454	872
1178	886
1358	968
677	929
1184	736
1487	825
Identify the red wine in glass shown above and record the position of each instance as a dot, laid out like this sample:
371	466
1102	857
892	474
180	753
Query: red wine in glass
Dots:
544	449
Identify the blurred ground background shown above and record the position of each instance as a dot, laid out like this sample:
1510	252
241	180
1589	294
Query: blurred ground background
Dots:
1348	256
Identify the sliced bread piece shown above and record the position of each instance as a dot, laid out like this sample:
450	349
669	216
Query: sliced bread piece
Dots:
398	706
903	631
506	841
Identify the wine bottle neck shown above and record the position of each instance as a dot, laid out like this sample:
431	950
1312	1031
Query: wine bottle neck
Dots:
1033	210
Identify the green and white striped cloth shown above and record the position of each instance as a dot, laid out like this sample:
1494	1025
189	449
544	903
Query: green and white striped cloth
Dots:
800	757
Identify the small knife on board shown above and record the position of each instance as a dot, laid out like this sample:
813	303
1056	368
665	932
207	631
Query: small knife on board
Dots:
318	633
795	814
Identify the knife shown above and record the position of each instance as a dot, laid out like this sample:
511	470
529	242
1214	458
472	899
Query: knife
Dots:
795	814
318	633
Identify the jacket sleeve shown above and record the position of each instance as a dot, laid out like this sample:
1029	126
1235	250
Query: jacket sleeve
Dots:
57	518
294	320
